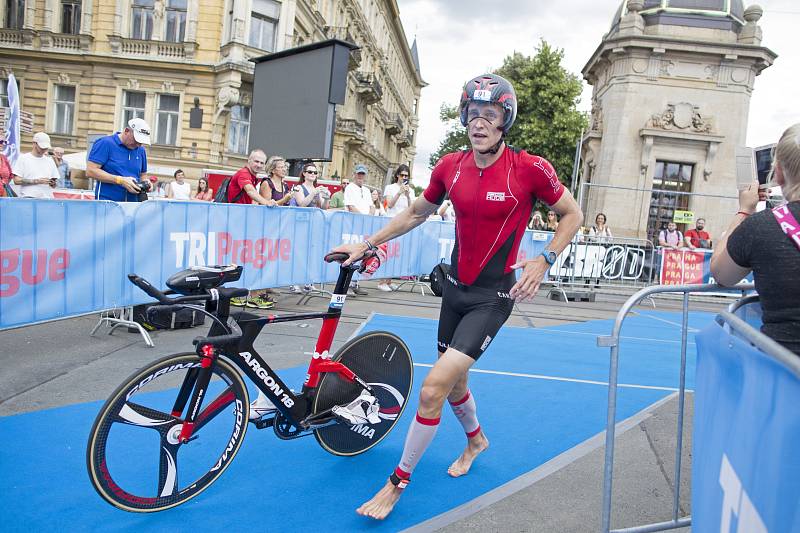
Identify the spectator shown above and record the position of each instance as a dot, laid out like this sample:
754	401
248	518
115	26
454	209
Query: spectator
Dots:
34	173
600	232
768	244
337	199
696	237
156	189
670	237
180	188
5	168
204	193
307	193
446	211
242	190
537	222
117	162
242	187
64	180
376	203
357	198
552	221
274	186
398	194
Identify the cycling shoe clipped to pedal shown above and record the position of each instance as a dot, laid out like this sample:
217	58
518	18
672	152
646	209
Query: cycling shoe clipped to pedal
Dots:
261	407
362	410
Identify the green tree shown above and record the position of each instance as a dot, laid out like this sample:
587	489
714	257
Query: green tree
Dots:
456	137
548	121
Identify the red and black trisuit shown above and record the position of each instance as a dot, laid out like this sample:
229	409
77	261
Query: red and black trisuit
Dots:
492	208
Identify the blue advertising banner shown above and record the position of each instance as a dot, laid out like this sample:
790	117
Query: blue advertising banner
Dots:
65	258
59	258
745	467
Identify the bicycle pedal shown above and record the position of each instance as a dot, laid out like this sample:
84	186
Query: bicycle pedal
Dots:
261	423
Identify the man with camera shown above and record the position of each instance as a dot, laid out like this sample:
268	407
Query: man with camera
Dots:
117	163
35	174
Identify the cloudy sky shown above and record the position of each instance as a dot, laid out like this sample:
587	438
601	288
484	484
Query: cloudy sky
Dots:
458	39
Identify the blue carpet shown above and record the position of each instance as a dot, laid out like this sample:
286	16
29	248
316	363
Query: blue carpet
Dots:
272	485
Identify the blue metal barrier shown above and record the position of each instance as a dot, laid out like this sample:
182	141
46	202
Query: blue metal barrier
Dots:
59	258
746	428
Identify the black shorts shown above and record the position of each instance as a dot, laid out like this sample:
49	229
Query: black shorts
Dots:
471	316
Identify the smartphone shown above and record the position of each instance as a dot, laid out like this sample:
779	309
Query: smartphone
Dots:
745	167
405	181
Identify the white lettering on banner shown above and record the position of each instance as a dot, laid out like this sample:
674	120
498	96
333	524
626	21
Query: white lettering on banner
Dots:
348	238
446	247
199	249
736	502
198	243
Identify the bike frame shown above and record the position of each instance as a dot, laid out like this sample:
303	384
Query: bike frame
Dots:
295	408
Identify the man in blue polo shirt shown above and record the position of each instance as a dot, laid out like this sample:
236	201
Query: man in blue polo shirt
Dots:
117	162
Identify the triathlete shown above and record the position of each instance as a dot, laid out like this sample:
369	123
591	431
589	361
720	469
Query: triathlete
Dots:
493	188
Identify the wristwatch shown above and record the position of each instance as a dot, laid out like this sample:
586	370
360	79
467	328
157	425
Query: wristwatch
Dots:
550	256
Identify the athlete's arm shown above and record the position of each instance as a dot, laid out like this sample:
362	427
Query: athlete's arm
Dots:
407	220
534	269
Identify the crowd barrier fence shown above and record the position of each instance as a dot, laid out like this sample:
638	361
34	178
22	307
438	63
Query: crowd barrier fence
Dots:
66	258
746	428
613	342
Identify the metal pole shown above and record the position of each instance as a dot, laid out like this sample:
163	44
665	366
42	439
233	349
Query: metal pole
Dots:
676	492
608	469
576	161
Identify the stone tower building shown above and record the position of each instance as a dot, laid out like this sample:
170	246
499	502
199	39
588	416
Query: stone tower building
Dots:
672	82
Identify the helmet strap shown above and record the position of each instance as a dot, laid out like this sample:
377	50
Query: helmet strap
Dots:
493	150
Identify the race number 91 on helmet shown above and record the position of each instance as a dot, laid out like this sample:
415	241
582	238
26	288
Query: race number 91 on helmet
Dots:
490	89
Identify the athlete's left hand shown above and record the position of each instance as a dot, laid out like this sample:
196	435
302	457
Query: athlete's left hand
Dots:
530	280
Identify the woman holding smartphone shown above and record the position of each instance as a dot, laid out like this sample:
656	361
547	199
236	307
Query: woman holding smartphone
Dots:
307	193
398	196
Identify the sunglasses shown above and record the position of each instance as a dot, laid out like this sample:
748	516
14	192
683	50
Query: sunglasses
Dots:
311	172
404	175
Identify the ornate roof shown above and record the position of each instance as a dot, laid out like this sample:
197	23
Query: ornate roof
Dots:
715	14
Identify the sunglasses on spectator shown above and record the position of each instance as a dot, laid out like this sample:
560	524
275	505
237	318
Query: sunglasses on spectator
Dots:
311	172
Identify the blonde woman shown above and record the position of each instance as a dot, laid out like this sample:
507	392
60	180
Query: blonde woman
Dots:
274	186
768	245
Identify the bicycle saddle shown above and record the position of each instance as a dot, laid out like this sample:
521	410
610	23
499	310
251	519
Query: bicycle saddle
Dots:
198	279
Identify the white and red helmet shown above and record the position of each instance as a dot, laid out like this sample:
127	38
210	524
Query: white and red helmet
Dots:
493	89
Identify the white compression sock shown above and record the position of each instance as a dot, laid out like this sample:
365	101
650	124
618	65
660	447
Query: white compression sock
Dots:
466	412
420	435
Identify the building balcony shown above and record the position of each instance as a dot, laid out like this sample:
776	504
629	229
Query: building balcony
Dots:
394	124
368	87
160	50
351	128
11	38
65	42
343	34
404	140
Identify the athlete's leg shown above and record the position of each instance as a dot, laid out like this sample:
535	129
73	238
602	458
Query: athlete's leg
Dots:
473	335
451	367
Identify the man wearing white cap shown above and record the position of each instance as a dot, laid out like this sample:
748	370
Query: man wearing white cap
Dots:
117	162
35	174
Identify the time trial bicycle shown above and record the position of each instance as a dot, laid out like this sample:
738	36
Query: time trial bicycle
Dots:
171	429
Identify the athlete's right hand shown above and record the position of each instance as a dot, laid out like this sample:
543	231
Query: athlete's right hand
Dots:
355	251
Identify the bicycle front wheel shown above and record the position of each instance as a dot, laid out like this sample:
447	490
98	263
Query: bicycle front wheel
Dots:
381	359
134	456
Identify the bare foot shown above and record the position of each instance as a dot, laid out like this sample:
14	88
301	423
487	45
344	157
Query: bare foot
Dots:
382	503
475	445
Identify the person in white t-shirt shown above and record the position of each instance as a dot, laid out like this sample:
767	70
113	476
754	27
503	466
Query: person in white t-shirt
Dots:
398	194
357	197
179	189
35	174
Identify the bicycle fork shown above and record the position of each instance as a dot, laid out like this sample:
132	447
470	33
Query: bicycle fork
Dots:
195	383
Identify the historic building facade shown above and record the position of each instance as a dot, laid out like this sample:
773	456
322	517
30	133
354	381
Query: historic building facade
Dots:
85	67
671	81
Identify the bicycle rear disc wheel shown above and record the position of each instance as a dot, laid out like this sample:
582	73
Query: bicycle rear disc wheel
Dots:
134	457
381	359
